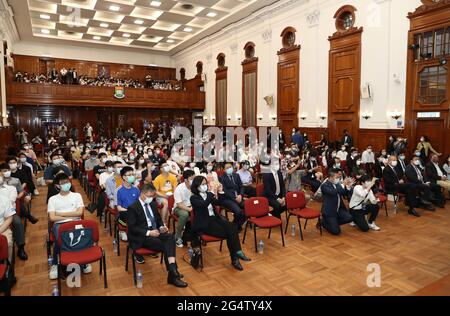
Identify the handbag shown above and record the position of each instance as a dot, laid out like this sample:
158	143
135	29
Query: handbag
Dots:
76	240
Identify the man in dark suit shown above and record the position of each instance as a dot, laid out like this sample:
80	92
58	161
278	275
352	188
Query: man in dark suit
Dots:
232	198
351	160
401	166
415	176
334	212
394	183
347	140
147	230
436	174
274	188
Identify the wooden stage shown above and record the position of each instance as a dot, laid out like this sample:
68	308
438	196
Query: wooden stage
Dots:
413	253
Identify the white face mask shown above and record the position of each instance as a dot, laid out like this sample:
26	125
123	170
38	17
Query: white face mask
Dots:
141	161
13	166
166	168
110	169
394	163
358	163
203	188
416	162
23	160
7	174
367	184
209	168
148	200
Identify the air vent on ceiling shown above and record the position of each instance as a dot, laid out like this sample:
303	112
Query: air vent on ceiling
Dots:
187	6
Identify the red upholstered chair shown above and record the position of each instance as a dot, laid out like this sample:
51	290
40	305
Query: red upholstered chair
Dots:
257	210
92	184
260	190
296	206
4	266
383	199
85	256
142	252
172	215
205	238
397	196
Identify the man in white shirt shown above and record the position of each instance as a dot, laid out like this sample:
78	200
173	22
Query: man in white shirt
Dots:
6	217
342	154
246	179
109	165
364	202
64	207
183	208
368	158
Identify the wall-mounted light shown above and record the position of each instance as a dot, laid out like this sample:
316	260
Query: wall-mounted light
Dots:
274	117
366	115
205	118
303	116
238	117
322	116
395	115
260	117
229	117
213	118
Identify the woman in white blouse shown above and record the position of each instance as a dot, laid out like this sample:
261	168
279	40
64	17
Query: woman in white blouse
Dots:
364	202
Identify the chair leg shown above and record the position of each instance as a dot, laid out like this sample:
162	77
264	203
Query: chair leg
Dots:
221	243
306	222
300	226
385	207
134	268
106	218
254	234
270	231
110	224
319	220
104	271
282	235
201	251
287	222
127	258
101	265
245	232
162	257
59	279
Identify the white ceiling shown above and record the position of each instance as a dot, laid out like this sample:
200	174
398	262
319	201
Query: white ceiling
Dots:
163	25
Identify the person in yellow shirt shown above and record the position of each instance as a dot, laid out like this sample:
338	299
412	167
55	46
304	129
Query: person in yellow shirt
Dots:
165	185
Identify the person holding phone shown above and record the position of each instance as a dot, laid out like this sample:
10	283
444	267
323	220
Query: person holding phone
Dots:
364	202
147	230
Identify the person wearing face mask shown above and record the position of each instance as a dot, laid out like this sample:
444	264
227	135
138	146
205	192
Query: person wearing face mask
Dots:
431	192
364	202
246	179
156	158
436	174
64	207
401	166
334	212
358	171
182	209
126	195
90	163
165	185
207	221
24	171
380	164
342	154
113	184
394	183
313	175
351	159
147	230
211	176
368	159
104	176
425	148
150	172
338	165
232	199
100	167
274	188
347	139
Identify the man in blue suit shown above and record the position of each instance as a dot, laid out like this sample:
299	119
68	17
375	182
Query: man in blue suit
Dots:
334	212
232	199
297	139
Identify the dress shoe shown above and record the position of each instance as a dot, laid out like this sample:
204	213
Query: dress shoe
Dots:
244	257
32	219
173	279
178	272
22	254
413	212
236	264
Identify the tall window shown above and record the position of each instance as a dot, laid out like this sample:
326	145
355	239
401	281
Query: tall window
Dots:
432	44
432	85
221	91
249	85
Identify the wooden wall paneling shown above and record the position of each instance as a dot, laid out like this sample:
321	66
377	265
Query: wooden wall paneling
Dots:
428	17
221	95
288	88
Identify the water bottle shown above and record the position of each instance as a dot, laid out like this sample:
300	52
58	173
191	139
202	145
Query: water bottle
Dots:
139	279
261	247
50	260
293	230
190	252
114	245
55	290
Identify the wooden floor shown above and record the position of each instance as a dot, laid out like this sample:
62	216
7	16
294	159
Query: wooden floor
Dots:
413	253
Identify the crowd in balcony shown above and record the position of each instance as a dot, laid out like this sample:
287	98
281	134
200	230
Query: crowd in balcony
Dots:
70	77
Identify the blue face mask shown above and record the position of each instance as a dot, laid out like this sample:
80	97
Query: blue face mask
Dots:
230	171
66	187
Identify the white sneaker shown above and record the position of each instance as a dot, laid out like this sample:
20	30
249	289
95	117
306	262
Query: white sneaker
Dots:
373	226
36	192
53	274
87	269
352	224
123	236
180	243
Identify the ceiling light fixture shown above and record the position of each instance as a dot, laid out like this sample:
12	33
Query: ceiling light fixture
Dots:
188	29
212	14
97	38
45	31
155	3
139	22
114	8
126	35
104	25
170	41
45	16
